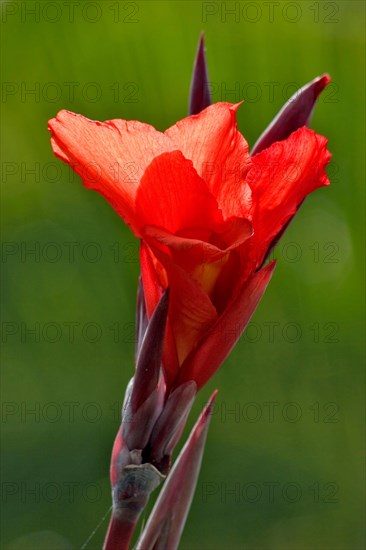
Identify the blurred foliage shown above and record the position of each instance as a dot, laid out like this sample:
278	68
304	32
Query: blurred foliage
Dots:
283	463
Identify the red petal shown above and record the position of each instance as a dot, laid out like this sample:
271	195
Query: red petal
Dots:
281	177
153	284
217	343
110	157
191	268
202	260
219	154
172	195
191	311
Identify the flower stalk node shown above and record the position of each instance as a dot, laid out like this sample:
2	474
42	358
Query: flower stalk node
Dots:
131	493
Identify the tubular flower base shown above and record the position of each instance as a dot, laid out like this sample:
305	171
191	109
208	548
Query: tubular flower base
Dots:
207	213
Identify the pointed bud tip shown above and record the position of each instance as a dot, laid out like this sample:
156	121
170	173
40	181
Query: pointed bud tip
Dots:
322	82
205	417
141	317
150	354
208	408
200	94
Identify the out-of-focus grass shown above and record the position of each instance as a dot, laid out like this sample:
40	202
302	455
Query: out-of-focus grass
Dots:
282	467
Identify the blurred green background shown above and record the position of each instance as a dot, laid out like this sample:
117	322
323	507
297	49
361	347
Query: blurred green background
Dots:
283	467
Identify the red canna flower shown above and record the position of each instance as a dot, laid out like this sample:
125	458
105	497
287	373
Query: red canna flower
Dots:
208	214
206	211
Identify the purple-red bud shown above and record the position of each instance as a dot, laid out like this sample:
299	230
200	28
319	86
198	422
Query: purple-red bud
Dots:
141	317
199	95
149	358
169	425
138	425
296	112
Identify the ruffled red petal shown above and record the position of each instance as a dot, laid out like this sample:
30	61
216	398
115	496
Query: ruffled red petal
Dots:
280	178
219	153
202	259
171	195
110	157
